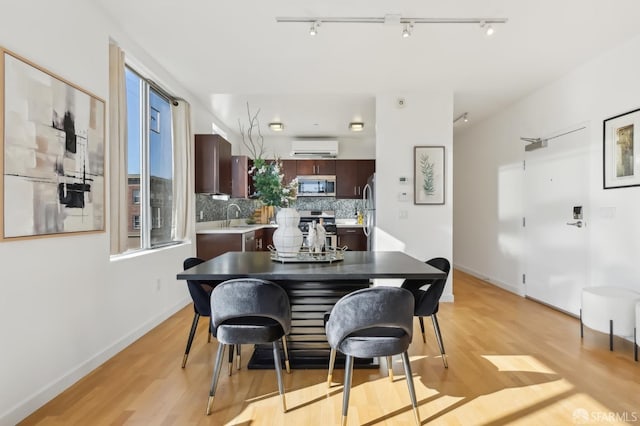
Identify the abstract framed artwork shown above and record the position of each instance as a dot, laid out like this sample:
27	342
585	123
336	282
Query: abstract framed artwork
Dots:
621	153
428	174
53	151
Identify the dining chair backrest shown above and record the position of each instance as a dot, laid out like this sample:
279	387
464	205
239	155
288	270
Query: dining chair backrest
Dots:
370	309
250	297
200	291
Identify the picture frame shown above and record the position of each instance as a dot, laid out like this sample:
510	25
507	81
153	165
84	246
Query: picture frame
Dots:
52	159
621	152
428	175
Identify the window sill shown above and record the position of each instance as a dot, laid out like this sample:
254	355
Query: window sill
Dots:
142	252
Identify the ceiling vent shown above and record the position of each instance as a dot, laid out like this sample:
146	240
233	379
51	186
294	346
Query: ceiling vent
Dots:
314	148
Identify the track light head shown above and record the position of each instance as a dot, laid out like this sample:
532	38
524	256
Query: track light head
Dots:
407	30
314	28
488	28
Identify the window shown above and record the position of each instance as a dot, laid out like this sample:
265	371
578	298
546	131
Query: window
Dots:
150	163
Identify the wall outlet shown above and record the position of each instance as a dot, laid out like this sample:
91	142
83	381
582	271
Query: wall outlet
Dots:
158	284
404	214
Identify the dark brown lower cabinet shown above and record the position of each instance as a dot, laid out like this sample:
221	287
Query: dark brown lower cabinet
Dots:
353	238
209	246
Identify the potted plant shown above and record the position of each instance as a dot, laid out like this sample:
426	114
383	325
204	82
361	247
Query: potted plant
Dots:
272	191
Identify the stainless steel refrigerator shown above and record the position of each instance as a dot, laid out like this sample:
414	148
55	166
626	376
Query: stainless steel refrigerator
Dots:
369	207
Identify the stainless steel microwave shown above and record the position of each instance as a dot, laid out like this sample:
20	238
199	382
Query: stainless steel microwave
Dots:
317	186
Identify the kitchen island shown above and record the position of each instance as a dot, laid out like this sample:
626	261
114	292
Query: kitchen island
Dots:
313	289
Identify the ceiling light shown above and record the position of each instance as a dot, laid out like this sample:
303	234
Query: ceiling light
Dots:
464	117
356	126
485	23
276	126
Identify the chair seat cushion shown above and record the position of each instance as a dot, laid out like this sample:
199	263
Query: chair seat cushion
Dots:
373	342
247	330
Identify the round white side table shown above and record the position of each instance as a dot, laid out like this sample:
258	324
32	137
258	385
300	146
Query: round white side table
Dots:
609	310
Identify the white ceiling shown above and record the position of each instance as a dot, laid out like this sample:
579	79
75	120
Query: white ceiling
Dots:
229	53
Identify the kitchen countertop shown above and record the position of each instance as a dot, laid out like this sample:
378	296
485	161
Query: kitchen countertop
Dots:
238	226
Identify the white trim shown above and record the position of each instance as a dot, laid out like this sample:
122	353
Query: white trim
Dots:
506	286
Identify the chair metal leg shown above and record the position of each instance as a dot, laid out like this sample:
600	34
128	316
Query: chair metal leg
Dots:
421	321
238	358
278	364
581	325
611	335
635	344
348	374
436	327
216	376
231	348
192	333
412	390
332	361
390	368
286	354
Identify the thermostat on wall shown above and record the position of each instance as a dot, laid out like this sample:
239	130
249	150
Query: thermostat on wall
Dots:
403	180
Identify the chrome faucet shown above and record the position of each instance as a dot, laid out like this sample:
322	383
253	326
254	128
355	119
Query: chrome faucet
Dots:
228	223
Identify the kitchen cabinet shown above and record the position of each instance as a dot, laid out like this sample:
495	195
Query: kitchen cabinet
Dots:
290	170
315	167
212	164
351	177
209	246
352	237
241	182
267	238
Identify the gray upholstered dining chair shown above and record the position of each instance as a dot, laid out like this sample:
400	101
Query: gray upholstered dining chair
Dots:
249	311
372	322
427	300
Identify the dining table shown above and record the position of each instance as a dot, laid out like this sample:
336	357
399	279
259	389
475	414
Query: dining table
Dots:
313	288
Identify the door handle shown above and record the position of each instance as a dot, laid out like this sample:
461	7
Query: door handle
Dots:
578	224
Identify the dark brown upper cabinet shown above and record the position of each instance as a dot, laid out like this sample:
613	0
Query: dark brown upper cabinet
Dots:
315	167
352	176
241	181
290	170
212	165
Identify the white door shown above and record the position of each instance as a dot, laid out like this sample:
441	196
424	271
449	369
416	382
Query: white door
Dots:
556	248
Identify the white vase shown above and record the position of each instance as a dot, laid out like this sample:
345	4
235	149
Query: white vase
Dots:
287	239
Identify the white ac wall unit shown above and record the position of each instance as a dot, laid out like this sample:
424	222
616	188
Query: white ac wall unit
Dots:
314	148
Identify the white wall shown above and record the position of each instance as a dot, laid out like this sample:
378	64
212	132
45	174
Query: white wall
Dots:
424	120
489	185
348	148
65	307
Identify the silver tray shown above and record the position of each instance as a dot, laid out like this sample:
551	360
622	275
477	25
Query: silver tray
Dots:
332	254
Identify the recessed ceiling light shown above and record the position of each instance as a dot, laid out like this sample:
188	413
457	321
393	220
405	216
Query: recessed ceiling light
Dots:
356	126
276	126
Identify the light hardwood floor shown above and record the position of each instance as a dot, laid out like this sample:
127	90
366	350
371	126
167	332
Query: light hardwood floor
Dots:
511	361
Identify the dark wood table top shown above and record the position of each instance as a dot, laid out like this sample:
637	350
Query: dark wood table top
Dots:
357	265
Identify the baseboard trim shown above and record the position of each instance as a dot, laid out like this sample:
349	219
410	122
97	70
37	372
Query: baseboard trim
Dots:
503	285
30	404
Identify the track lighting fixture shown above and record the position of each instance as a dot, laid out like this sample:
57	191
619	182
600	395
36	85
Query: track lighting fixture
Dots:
406	32
314	28
488	29
393	19
464	117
